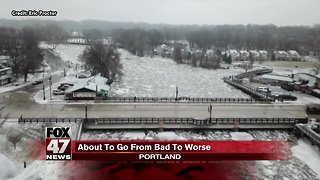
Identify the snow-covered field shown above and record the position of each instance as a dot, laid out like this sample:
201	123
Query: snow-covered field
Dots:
304	164
11	159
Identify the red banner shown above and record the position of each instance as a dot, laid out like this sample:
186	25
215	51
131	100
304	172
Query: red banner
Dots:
180	150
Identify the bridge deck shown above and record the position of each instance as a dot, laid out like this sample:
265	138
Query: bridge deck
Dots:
185	126
197	111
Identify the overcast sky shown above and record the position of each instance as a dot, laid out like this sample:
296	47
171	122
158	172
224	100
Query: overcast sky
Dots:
279	12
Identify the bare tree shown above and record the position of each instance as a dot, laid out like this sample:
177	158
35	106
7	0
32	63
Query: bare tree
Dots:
177	57
30	56
103	59
14	137
54	34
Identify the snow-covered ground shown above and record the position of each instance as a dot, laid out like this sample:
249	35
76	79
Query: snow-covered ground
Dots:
308	154
20	82
68	53
7	167
11	159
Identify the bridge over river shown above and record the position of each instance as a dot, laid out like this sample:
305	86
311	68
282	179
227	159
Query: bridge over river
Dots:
172	116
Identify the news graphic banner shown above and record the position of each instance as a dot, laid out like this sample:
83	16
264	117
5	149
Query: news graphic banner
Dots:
60	147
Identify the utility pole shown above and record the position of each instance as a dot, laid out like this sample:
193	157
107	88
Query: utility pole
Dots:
50	84
177	92
86	112
44	93
210	112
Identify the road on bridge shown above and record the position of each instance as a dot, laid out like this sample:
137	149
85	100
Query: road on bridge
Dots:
198	111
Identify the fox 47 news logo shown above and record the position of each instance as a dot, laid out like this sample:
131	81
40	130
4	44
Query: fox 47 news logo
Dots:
58	143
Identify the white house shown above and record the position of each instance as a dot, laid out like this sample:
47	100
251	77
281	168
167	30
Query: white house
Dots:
244	55
235	55
5	60
5	75
210	53
95	86
293	55
254	54
263	55
280	55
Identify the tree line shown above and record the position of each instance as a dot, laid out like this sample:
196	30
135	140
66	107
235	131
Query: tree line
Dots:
249	37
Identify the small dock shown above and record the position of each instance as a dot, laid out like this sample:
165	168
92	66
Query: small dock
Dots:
248	89
306	131
254	73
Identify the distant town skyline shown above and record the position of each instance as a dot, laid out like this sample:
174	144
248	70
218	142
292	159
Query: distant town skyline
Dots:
201	12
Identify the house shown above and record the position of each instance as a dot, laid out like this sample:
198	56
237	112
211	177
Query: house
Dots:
235	55
181	43
263	55
162	50
6	61
5	75
210	53
293	55
94	87
244	55
254	53
280	55
275	79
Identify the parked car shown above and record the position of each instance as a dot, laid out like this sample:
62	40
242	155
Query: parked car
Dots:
263	89
288	87
58	92
63	88
81	76
37	82
66	84
283	97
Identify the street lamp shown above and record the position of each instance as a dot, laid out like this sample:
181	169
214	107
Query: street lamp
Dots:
86	112
44	93
210	112
177	92
50	83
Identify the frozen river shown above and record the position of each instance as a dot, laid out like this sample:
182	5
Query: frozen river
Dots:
158	77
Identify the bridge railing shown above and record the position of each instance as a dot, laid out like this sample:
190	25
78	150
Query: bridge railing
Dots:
49	120
138	120
158	120
310	133
178	100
